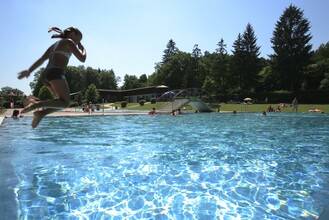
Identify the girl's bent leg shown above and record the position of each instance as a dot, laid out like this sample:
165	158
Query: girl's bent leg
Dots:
61	90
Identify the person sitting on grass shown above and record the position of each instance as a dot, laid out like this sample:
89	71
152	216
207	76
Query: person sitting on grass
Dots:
270	109
58	55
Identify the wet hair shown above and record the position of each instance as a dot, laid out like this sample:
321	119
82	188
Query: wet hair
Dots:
15	113
64	33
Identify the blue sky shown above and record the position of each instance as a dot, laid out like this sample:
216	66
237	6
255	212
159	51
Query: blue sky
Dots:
129	36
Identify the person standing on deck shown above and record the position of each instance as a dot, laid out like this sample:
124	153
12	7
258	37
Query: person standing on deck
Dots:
295	104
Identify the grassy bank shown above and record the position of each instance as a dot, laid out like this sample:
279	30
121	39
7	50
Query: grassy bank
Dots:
225	107
238	107
263	107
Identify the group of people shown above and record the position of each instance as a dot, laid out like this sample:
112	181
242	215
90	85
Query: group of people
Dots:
90	108
294	105
176	112
173	112
271	109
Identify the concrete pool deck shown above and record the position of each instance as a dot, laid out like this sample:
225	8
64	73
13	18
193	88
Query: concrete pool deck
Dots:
72	112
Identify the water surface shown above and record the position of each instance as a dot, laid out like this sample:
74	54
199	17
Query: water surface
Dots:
193	166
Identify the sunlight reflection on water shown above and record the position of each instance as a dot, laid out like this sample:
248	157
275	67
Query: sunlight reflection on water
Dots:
201	166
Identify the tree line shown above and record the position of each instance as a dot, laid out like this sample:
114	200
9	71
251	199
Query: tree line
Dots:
292	66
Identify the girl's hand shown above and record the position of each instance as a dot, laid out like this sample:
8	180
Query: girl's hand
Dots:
24	73
80	46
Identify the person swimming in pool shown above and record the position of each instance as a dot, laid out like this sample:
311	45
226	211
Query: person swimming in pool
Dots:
53	77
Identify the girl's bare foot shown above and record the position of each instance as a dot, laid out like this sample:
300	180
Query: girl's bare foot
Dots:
38	115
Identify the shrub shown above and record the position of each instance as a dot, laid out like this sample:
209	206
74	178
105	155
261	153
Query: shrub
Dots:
153	100
123	104
141	102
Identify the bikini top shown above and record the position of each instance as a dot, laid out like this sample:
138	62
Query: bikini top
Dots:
64	53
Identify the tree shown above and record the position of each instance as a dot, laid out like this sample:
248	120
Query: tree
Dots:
130	82
196	53
108	79
292	51
245	62
92	77
236	65
76	78
210	85
169	51
267	81
45	94
321	53
195	75
251	60
36	84
220	67
317	73
143	80
5	91
92	94
324	84
221	47
176	72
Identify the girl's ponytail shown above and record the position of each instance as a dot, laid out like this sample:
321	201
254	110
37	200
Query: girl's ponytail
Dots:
65	33
56	29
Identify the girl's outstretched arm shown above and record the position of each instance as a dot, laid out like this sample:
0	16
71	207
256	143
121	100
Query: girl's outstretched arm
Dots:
39	62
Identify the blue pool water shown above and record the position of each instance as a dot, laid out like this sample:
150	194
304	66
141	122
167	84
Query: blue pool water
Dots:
193	166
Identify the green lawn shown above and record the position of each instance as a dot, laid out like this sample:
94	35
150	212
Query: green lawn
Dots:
263	107
227	107
237	107
2	110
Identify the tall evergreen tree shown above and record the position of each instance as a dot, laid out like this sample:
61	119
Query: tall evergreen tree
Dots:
221	47
245	62
196	53
220	72
251	63
169	51
194	74
236	65
292	51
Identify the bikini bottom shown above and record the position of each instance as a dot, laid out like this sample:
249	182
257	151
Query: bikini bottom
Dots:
52	74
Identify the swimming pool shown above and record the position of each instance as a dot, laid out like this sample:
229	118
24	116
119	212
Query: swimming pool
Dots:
193	166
